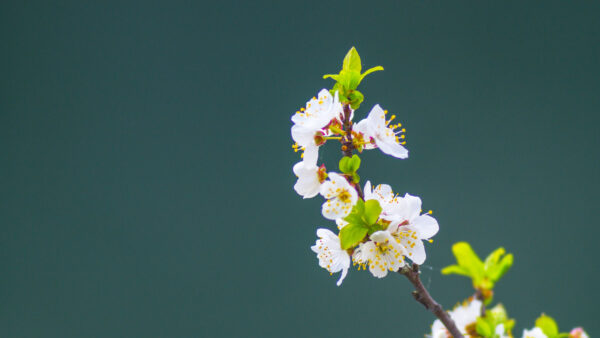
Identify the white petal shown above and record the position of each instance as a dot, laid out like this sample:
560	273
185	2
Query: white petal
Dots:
367	191
340	223
376	116
413	206
329	188
335	208
303	136
426	226
325	233
392	148
417	252
378	271
308	183
536	332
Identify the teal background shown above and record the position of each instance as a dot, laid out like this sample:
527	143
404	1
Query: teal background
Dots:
146	184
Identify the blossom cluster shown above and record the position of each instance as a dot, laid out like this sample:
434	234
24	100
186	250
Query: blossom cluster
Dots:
468	316
381	230
397	227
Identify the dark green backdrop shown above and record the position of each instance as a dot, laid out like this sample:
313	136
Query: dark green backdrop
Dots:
146	184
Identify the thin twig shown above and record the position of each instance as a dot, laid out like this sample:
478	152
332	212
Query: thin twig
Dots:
422	296
347	145
479	296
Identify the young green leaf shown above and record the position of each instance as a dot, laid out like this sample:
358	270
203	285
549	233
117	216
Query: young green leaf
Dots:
369	71
468	259
493	258
455	270
356	98
372	211
356	214
349	165
548	325
354	163
498	270
484	328
345	165
352	234
352	61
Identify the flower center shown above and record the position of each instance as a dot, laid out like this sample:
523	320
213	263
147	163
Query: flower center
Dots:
345	196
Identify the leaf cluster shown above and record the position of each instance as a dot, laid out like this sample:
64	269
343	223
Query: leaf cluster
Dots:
486	326
348	79
484	274
362	220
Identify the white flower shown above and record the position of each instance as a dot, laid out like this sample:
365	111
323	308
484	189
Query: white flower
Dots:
306	139
463	316
375	129
340	195
536	332
410	227
310	178
385	196
382	253
308	129
330	254
319	111
406	222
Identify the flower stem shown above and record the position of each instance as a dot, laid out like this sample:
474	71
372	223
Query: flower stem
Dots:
422	296
479	295
347	145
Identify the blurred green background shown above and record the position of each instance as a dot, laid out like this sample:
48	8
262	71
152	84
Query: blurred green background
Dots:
146	183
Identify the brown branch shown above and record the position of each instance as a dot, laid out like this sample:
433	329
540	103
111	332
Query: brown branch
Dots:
347	145
422	296
479	296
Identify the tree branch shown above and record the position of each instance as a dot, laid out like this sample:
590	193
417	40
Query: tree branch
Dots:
347	145
422	296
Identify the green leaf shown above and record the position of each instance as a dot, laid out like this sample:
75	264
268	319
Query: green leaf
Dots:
352	61
509	325
345	165
348	79
354	163
333	76
468	259
369	71
374	228
455	270
356	214
484	328
501	268
349	165
355	178
548	325
372	211
352	234
493	258
356	98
